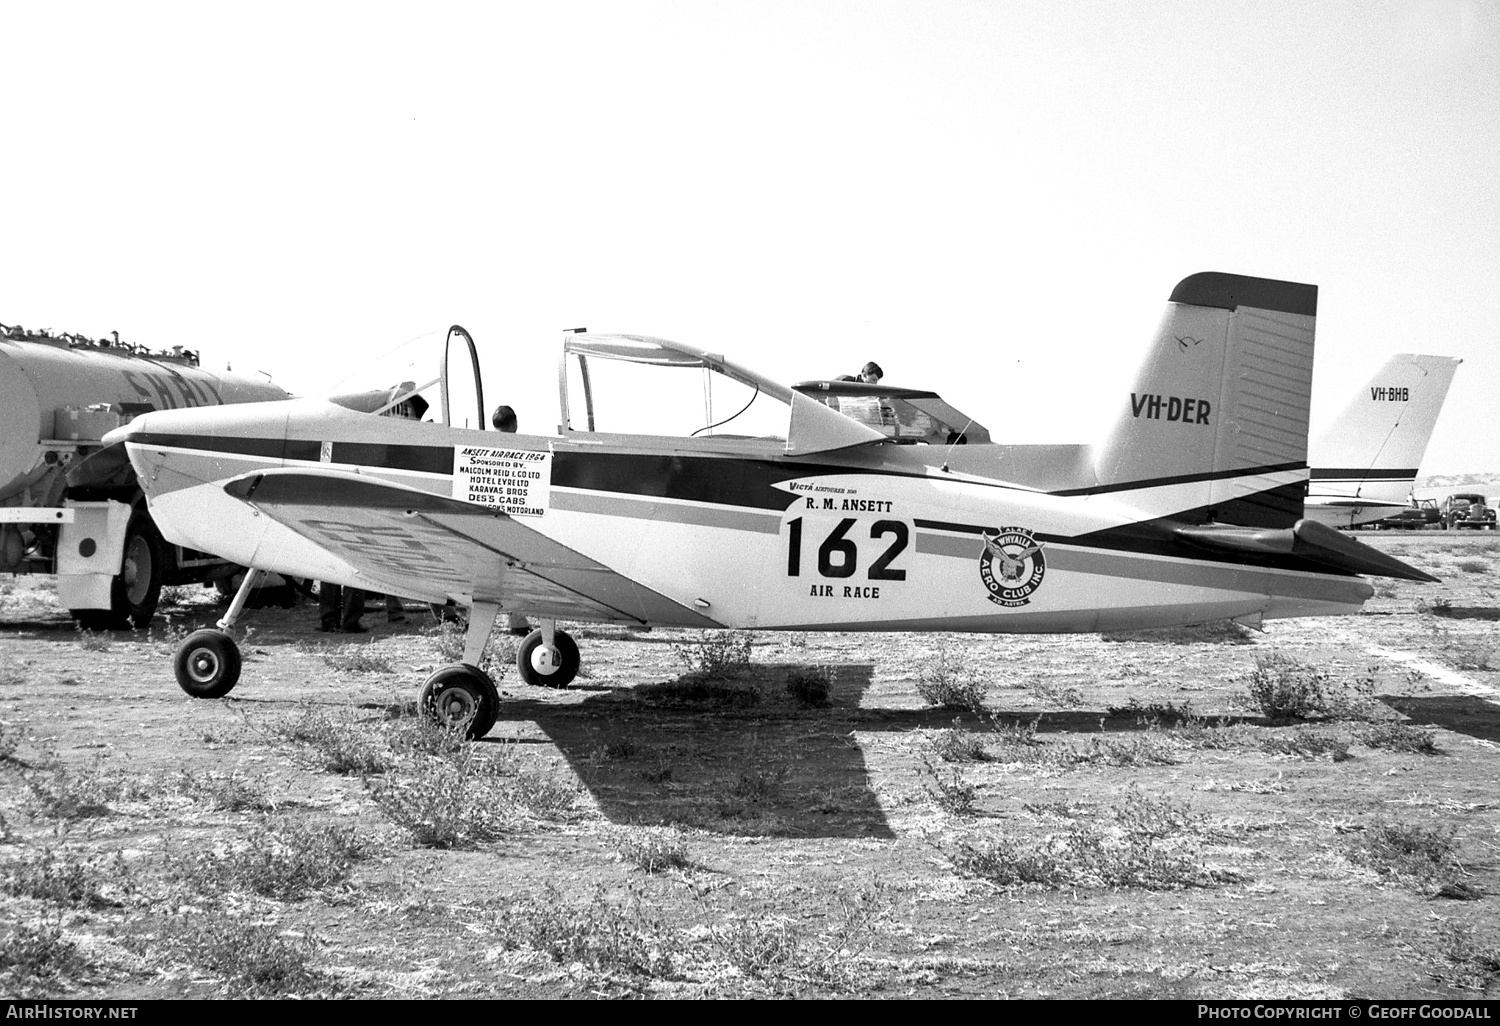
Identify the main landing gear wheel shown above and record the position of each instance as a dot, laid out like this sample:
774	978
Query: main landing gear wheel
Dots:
207	664
461	695
551	668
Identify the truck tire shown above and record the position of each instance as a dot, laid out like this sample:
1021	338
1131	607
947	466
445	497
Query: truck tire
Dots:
137	587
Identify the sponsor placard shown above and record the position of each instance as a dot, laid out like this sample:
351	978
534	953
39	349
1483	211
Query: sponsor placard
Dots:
515	481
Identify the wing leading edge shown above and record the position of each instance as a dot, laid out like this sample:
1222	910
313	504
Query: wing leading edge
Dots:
396	536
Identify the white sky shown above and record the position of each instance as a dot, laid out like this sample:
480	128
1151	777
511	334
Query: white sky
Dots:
991	199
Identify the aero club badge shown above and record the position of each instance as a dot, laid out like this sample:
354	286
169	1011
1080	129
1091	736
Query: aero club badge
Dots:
1011	566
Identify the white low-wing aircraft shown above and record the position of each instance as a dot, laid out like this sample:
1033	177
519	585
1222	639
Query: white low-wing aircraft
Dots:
1365	463
831	506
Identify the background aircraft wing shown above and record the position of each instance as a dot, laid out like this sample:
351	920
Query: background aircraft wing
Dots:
399	538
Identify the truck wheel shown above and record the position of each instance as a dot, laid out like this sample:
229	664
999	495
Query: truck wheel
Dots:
137	586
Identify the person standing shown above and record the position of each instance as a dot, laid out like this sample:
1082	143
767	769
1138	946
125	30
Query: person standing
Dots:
340	608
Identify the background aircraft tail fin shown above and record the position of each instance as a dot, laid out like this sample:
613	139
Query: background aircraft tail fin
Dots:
1214	427
1373	449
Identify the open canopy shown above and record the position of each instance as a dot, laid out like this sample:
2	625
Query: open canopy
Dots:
726	400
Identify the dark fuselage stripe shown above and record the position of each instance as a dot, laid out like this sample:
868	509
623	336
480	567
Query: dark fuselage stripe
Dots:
1163	482
1356	474
428	458
719	480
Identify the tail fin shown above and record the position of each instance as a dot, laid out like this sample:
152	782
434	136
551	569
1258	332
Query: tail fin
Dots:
1214	429
1372	451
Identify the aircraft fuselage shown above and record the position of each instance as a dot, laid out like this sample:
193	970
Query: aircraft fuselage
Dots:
732	531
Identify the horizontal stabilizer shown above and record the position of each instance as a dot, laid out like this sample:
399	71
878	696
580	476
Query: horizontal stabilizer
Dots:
1307	539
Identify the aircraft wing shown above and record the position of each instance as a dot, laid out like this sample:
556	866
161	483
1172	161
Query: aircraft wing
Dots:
399	537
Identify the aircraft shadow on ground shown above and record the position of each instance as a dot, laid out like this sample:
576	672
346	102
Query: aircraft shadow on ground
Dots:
1469	612
1462	714
772	768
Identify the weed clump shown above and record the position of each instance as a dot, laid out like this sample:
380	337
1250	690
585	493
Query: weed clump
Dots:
94	641
776	951
1153	844
284	860
253	960
653	849
1399	737
1465	962
951	791
957	745
60	793
810	688
462	801
723	655
13	673
1019	741
228	793
696	692
948	684
67	878
1284	689
344	748
36	956
614	938
356	659
1141	750
1426	856
1307	744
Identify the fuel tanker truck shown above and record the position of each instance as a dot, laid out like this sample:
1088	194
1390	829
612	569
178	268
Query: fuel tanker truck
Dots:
70	506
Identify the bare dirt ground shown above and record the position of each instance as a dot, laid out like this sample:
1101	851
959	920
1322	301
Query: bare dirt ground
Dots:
1100	816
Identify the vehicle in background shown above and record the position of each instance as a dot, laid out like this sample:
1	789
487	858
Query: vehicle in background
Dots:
71	506
1467	509
1424	516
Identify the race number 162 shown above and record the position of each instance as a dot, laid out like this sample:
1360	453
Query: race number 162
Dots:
838	554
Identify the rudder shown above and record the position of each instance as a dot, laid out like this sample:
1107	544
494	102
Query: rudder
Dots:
1214	428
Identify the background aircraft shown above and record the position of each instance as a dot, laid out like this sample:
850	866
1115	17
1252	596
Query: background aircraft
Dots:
1365	463
828	505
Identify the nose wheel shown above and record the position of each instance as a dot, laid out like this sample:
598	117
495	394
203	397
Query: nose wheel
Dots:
207	664
550	666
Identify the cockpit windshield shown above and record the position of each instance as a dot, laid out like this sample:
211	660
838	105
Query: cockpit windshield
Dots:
906	415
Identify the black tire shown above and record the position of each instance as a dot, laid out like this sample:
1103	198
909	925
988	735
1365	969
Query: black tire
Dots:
460	695
568	658
137	587
207	664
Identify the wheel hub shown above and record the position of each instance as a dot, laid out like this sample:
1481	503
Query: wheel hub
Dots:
455	705
137	556
203	666
546	660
